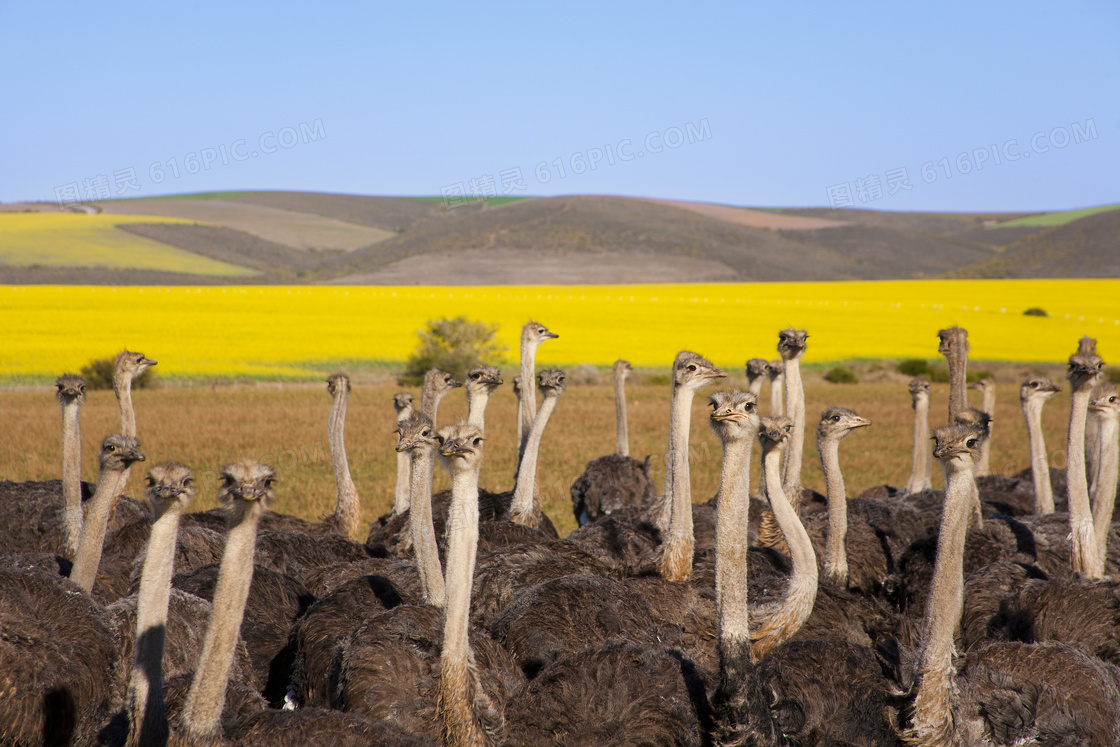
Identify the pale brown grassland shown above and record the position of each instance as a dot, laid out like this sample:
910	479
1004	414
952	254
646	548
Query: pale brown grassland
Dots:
285	425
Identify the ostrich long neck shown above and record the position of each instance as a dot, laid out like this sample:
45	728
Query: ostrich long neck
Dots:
1085	553
777	395
1093	445
402	495
780	622
795	406
1104	488
429	403
622	438
754	386
458	688
1040	467
731	548
525	508
477	399
835	553
983	467
958	382
71	477
422	526
122	387
347	509
919	472
88	557
675	562
147	719
201	717
527	404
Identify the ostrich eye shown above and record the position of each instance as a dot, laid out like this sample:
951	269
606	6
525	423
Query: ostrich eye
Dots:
835	418
425	432
970	442
189	481
749	407
1112	399
692	367
439	438
477	441
110	447
151	481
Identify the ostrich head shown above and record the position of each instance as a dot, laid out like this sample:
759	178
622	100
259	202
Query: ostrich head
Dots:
517	385
774	433
791	343
131	364
918	388
534	333
551	382
622	368
734	415
247	481
440	382
460	446
1106	402
1037	388
978	418
1084	370
757	367
954	341
694	371
118	453
774	369
71	389
958	446
168	484
338	383
983	385
484	378
402	401
837	422
414	432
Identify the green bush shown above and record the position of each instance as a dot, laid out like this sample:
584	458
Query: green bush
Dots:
1114	374
1035	311
841	375
454	345
658	379
98	374
983	373
914	367
938	374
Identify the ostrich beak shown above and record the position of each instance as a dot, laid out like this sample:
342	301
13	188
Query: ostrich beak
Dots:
454	448
715	373
859	422
551	336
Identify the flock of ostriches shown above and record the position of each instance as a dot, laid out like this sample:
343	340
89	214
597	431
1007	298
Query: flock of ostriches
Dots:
985	613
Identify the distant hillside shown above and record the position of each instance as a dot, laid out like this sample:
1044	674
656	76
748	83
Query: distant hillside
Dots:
303	237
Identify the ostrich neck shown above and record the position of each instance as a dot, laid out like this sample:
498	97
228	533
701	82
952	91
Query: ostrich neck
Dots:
754	386
123	389
347	508
932	702
429	403
402	491
1104	488
783	620
983	467
88	557
147	719
1092	449
622	438
731	547
201	717
527	404
920	471
835	553
457	687
524	508
422	526
71	477
1040	467
958	384
1085	555
675	563
795	407
777	394
477	400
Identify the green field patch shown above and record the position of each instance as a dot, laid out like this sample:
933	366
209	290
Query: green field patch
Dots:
1055	219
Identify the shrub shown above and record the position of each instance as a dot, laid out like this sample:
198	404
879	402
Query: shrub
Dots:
914	367
983	373
658	379
841	375
938	375
1113	374
454	345
1035	311
98	374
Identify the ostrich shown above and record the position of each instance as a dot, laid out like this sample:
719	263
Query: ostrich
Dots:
987	389
1086	555
525	508
1033	394
118	453
954	346
170	489
673	514
757	368
481	383
1009	693
71	395
791	346
436	385
774	371
532	335
128	368
1106	406
347	510
402	402
920	471
246	489
621	370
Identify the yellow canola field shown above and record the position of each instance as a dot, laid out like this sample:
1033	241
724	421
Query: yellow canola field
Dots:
80	240
302	332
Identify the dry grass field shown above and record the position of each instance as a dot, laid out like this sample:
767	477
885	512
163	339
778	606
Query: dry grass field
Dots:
285	425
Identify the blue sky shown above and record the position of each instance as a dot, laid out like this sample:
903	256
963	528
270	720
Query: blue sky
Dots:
785	104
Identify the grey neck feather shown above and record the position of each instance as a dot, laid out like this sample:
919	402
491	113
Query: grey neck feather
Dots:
622	434
1040	467
88	557
754	386
347	508
836	553
201	717
795	407
920	471
983	467
680	420
1092	449
477	399
1104	487
527	403
675	518
732	512
777	396
71	477
525	508
1085	554
422	527
429	403
958	382
402	498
